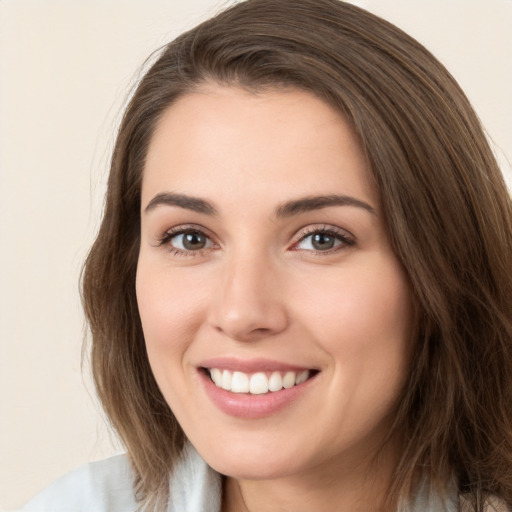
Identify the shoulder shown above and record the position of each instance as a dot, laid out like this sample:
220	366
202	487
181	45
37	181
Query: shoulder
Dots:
100	486
107	486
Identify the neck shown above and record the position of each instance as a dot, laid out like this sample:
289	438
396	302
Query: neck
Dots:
360	489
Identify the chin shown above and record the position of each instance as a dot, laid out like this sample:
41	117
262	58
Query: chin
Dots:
252	461
254	469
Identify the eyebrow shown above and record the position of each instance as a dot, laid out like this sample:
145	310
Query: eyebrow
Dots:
310	203
182	201
288	209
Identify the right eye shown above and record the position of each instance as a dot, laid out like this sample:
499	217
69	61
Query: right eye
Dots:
186	241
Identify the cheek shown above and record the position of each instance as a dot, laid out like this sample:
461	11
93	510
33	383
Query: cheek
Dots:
169	310
378	314
371	301
364	319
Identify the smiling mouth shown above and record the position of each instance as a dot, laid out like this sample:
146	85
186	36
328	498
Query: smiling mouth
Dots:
258	383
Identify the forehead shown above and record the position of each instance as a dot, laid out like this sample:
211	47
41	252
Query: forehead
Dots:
226	140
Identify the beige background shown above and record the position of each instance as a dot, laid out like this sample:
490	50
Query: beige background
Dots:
66	68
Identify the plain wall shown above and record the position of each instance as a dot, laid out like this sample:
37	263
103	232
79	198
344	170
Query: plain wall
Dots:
66	68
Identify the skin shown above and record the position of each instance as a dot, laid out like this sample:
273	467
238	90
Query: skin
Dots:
260	289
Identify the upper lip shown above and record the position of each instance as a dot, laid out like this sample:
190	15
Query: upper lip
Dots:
250	365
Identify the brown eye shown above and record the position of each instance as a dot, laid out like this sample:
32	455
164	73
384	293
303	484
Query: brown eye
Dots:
190	241
194	241
323	241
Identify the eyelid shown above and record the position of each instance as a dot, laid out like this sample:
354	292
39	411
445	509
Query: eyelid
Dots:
175	231
345	236
180	228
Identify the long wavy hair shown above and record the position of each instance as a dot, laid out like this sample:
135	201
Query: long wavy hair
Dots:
447	211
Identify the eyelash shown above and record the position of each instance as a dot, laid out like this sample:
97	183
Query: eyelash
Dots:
182	230
345	239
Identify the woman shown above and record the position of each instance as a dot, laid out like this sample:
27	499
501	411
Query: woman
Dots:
302	281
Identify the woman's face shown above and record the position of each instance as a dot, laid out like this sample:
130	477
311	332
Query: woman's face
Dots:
264	262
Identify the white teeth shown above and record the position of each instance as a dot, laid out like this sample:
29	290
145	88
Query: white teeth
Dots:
289	380
302	377
226	380
216	376
258	383
275	383
239	383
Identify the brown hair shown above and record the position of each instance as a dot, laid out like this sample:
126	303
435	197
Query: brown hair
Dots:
448	214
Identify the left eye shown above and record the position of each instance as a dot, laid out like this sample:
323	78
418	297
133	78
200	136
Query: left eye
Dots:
321	241
190	241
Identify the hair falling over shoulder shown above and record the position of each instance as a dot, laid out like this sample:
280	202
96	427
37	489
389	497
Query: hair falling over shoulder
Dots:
447	211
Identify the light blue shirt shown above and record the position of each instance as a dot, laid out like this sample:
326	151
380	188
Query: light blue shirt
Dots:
106	486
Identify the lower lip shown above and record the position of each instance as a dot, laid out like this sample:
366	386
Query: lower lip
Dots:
245	405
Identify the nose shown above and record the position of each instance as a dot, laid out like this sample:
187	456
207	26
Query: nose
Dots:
249	302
